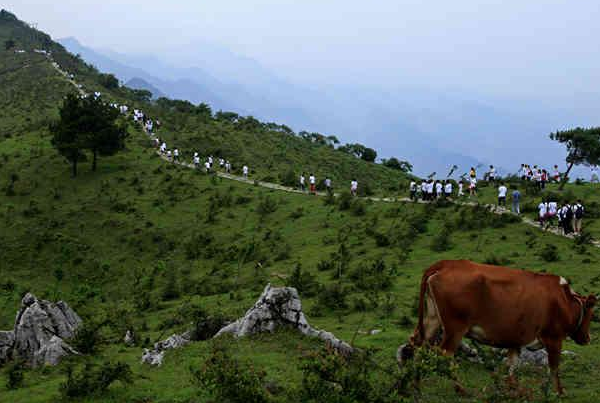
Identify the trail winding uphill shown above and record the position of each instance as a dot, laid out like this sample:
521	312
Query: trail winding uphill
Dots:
269	185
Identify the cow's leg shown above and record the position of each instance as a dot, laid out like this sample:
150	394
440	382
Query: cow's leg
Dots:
431	322
512	362
453	334
554	348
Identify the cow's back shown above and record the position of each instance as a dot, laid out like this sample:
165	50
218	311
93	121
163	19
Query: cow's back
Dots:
509	307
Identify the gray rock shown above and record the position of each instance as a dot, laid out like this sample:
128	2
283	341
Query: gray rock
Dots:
280	307
129	338
7	340
538	358
156	355
39	332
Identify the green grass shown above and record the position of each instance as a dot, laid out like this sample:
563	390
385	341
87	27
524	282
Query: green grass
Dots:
87	239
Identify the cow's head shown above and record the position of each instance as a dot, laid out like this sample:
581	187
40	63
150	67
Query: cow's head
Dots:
581	335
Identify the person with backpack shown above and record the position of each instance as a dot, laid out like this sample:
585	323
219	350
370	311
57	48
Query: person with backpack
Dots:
565	217
552	212
578	212
448	189
328	185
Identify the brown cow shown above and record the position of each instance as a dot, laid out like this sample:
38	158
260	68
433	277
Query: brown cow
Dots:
501	307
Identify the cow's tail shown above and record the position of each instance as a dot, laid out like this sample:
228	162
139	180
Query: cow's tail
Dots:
418	337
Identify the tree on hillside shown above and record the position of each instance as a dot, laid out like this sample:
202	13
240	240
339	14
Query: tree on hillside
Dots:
583	147
104	136
66	133
109	81
86	124
395	163
369	154
9	44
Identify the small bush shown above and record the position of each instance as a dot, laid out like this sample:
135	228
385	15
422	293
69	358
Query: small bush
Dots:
358	208
372	276
266	206
441	241
303	281
497	260
230	380
325	265
94	380
333	296
381	240
345	201
14	375
549	253
299	212
87	338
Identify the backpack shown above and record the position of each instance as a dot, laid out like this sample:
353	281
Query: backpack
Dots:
579	212
569	213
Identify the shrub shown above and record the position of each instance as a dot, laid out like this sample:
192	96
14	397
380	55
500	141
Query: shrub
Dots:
266	206
87	337
325	265
333	296
14	375
196	244
441	241
299	212
549	253
345	201
230	380
381	240
303	281
497	260
171	288
288	178
94	380
372	276
358	208
205	326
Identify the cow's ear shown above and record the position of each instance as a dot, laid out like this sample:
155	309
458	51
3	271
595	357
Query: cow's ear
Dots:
590	301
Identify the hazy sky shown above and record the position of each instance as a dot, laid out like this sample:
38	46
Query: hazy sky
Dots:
528	48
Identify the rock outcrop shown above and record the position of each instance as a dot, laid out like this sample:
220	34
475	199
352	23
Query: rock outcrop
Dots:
280	307
40	331
156	355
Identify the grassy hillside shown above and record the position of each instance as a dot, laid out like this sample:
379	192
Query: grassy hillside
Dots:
140	243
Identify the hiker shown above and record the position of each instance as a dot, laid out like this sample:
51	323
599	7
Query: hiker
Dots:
169	157
594	178
472	173
302	182
523	172
227	166
542	211
163	147
544	179
537	177
473	187
516	201
196	160
245	171
565	219
413	190
502	190
313	184
430	190
328	185
354	187
578	212
207	167
439	190
492	174
221	163
552	212
176	155
448	189
461	185
423	190
210	161
556	174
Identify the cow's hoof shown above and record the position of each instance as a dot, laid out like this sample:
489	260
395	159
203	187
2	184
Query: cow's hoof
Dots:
405	353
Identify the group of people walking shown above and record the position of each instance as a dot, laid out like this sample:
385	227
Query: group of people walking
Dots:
569	216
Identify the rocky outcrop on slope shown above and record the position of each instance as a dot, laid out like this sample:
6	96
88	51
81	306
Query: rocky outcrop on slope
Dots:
280	307
156	355
41	328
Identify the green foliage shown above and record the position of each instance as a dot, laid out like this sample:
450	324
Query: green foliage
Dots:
303	281
395	163
373	276
266	206
228	379
549	253
441	241
15	376
333	296
88	337
328	376
94	380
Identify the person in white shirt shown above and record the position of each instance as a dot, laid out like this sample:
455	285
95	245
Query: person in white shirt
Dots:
328	185
594	178
207	167
413	190
430	188
424	190
438	190
460	189
313	183
302	182
176	154
551	213
210	160
354	187
169	155
556	174
227	167
221	162
542	211
163	147
502	190
473	187
448	189
245	171
492	174
196	160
